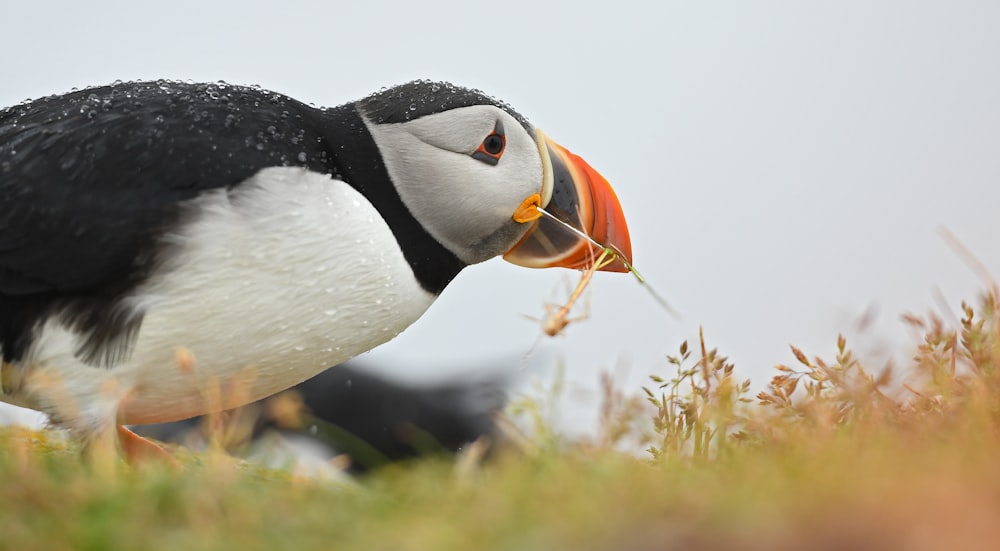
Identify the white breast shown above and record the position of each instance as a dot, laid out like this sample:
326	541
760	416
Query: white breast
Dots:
268	285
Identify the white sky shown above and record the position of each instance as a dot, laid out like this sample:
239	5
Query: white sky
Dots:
784	166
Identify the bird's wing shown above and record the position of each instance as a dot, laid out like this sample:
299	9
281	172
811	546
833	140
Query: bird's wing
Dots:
88	179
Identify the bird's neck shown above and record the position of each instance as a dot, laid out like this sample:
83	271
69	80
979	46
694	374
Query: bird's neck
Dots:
356	159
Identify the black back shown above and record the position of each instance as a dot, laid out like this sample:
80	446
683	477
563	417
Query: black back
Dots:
90	180
375	420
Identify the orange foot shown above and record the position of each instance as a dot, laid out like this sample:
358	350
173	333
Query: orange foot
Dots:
138	449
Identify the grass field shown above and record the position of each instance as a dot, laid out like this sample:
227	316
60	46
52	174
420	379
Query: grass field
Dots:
831	456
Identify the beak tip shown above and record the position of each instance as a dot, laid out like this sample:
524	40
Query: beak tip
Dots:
623	261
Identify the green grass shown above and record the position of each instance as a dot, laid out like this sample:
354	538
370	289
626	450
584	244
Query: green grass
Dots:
830	456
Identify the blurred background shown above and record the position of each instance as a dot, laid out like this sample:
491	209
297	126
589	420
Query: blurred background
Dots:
786	167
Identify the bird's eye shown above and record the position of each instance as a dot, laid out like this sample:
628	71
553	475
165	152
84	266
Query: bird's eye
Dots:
492	147
493	144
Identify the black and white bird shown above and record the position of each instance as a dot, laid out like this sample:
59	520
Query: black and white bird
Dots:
149	224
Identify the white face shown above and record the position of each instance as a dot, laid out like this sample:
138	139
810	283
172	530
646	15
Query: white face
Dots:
463	199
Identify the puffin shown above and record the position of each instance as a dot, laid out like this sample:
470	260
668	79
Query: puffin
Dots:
169	248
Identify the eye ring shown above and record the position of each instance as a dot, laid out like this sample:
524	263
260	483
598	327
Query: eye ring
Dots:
493	144
492	147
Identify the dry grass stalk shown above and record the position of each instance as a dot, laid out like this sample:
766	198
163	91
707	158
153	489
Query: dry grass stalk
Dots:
558	319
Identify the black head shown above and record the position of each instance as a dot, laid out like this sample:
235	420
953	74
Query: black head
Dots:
419	98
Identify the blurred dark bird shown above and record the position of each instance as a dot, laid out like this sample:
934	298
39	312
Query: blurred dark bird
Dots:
368	418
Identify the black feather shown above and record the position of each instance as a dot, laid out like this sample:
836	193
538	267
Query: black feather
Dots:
90	181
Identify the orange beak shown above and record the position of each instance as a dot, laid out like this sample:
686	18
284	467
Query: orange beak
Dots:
580	197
